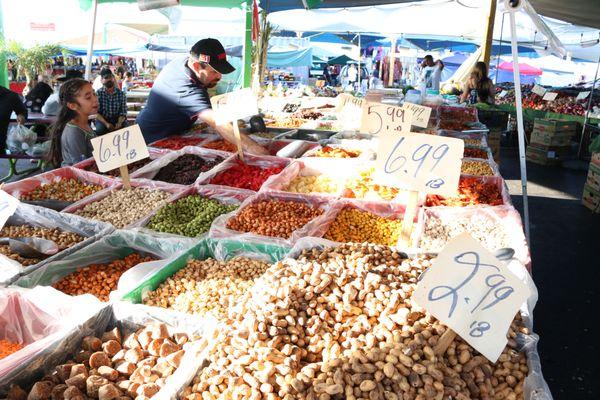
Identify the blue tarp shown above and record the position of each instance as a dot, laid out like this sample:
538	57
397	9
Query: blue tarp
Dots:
294	58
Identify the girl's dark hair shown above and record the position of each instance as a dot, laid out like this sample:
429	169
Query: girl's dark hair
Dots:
67	94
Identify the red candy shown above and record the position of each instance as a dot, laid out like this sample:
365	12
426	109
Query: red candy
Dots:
245	176
177	142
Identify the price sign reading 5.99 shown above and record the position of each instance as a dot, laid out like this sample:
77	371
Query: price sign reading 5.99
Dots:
473	293
420	162
119	148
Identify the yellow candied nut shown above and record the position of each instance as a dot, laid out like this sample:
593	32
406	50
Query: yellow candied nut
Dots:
353	225
363	187
313	184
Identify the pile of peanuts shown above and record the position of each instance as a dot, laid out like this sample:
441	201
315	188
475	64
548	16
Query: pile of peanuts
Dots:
98	279
63	239
125	206
113	367
7	348
314	184
65	190
488	231
354	225
363	187
473	142
207	286
340	323
480	168
276	218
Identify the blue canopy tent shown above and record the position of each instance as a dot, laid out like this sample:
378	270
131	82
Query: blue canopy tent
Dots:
292	58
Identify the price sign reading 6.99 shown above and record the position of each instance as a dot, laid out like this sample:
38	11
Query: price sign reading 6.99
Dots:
419	162
473	293
119	148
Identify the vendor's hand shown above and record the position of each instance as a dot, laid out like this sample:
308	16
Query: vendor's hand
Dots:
258	150
21	119
110	126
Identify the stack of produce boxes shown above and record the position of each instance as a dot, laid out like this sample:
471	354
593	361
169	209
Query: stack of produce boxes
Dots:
550	142
591	190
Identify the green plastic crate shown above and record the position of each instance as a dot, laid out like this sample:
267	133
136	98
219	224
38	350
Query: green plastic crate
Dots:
206	248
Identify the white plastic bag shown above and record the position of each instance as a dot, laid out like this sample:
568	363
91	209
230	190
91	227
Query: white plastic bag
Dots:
20	139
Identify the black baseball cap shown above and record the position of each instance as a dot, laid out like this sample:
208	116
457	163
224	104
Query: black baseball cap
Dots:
212	52
106	73
70	74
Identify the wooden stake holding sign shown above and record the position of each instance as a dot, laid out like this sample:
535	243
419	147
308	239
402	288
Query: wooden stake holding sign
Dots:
230	107
118	149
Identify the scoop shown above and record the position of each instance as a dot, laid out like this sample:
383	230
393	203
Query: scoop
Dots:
31	247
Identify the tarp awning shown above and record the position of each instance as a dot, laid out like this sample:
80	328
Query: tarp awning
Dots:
292	58
341	60
524	69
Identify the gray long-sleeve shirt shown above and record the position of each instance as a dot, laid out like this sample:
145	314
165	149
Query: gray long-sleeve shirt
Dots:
75	144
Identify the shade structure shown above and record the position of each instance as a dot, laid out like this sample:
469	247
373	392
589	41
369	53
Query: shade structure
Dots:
341	60
524	69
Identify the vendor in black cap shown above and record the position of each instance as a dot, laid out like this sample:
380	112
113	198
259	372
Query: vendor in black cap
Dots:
179	96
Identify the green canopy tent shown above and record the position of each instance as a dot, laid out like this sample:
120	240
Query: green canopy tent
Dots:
341	60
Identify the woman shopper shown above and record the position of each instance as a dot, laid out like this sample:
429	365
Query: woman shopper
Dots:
71	133
479	88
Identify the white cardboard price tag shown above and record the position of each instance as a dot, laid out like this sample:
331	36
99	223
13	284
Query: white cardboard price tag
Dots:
539	90
230	107
550	96
473	293
420	114
582	96
8	206
378	118
345	100
419	162
119	148
502	94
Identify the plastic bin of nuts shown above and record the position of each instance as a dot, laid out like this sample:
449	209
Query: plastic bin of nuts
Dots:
476	167
377	348
123	351
69	232
96	269
208	278
59	188
470	139
90	164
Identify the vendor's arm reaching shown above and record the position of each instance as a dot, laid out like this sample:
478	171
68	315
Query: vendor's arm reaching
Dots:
226	131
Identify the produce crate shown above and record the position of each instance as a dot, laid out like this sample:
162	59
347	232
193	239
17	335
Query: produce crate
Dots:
554	126
593	178
493	119
223	249
591	198
548	156
494	143
546	138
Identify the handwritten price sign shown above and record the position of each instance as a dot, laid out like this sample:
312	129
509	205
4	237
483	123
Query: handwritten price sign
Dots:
418	162
379	118
345	100
473	293
419	114
230	107
119	148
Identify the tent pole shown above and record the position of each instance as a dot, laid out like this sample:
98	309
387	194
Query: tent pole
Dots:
3	71
247	70
499	49
487	44
520	127
392	63
90	50
589	107
359	55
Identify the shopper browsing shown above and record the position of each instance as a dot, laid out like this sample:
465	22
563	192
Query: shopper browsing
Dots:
479	88
179	96
112	112
431	73
71	133
9	102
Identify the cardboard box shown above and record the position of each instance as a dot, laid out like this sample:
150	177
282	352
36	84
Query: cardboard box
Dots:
550	138
544	157
560	151
593	178
595	159
554	125
494	144
591	199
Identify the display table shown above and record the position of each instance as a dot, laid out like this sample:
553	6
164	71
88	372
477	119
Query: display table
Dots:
531	114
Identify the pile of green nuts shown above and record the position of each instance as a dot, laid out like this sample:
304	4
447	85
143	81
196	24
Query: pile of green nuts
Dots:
190	216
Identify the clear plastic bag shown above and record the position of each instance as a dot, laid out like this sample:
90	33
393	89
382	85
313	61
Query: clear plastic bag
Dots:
117	245
45	218
39	149
20	139
90	163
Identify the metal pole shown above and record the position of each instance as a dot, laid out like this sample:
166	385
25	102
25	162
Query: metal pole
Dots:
500	49
487	45
587	112
90	50
359	55
520	126
392	63
247	70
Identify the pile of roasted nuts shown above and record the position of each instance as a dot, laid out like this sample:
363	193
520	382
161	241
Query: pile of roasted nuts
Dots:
478	168
67	189
358	226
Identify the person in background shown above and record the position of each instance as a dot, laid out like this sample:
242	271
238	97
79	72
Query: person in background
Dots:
352	75
479	88
179	96
36	98
70	135
428	69
437	75
9	102
52	104
326	74
112	113
127	81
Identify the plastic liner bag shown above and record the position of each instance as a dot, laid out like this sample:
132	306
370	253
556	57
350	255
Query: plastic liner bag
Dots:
90	163
314	227
195	140
173	190
149	171
453	112
38	319
497	181
128	318
262	162
225	195
281	182
494	227
113	247
137	282
492	164
382	209
45	218
24	186
20	139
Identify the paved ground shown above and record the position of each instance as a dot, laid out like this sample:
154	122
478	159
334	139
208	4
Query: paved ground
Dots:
566	271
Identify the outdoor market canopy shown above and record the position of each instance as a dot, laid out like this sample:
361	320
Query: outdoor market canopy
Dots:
524	69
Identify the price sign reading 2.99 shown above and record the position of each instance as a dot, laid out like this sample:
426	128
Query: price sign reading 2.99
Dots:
119	148
420	162
473	293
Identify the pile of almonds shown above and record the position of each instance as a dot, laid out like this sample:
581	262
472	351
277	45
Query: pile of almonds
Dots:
340	323
113	367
